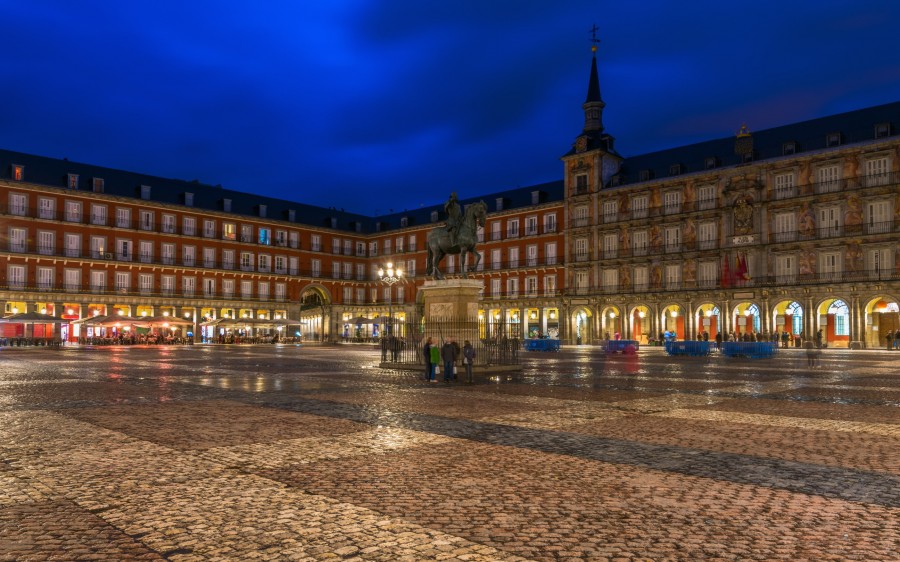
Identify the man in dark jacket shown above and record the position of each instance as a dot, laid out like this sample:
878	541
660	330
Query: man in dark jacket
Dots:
448	356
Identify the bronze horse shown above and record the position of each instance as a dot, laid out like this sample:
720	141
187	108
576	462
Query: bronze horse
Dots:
440	245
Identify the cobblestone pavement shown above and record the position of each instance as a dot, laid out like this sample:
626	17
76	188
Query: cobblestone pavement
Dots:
314	453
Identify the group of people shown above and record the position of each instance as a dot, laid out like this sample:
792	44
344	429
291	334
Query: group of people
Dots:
893	339
447	354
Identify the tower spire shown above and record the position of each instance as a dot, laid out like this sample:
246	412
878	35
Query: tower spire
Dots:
593	105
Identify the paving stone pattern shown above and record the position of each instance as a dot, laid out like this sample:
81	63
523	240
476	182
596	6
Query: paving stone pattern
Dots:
314	453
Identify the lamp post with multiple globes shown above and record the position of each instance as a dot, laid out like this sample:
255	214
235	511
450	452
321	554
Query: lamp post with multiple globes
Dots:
390	276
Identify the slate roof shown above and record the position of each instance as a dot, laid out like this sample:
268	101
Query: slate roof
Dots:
854	126
54	172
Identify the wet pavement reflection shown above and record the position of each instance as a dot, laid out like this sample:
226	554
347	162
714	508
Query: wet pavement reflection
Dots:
315	453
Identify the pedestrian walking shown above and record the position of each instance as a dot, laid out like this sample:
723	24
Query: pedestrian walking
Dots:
448	354
468	359
426	355
889	338
435	352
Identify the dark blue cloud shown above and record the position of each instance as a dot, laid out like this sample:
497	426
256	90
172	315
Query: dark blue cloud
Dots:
372	105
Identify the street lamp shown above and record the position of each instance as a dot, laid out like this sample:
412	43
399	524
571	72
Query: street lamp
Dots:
389	277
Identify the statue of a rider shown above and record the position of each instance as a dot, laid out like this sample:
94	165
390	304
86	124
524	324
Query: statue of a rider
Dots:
454	216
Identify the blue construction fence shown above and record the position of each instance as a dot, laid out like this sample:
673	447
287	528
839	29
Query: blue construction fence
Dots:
622	346
753	350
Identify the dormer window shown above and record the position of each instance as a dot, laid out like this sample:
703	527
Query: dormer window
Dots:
226	205
499	203
646	175
711	163
261	209
789	148
882	130
357	226
18	172
833	139
535	197
98	185
676	169
72	181
145	192
434	216
404	222
188	199
333	222
292	215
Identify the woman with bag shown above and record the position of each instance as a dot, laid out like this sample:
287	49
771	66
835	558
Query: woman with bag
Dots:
468	359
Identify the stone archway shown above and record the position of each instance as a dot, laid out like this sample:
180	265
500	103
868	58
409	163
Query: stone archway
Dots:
611	322
672	320
882	317
641	324
833	323
788	317
315	303
708	321
582	333
746	319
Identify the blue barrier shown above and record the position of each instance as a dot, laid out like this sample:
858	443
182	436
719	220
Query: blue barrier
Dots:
623	346
542	345
753	350
694	348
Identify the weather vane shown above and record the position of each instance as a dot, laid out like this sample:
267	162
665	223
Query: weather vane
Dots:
594	39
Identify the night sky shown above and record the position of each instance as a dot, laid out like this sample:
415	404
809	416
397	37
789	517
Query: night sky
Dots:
375	106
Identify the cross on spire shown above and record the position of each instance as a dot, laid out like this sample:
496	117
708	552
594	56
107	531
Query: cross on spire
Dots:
593	31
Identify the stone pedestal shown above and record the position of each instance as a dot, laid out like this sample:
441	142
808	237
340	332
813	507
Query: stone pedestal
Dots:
451	300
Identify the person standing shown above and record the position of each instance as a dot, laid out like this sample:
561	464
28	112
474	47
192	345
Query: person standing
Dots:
426	355
819	338
448	355
435	360
468	359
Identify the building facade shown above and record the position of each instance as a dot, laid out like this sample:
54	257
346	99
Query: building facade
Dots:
794	229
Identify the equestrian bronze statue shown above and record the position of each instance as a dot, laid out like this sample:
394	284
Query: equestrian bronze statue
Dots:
460	239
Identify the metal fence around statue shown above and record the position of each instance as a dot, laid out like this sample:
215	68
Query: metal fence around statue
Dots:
496	343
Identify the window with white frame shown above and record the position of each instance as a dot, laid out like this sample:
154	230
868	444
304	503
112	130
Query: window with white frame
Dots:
639	206
294	239
315	242
98	281
72	181
399	241
512	287
228	259
348	270
15	276
361	249
209	287
145	283
878	217
830	266
581	282
98	247
410	268
531	225
46	208
189	226
336	270
672	202
495	288
247	289
17	239
707	235
168	224
72	279
124	250
512	228
145	251
373	249
673	239
550	222
98	185
247	233
209	257
707	274
610	246
639	243
18	204
98	214
580	216
496	258
228	288
209	228
828	178
785	269
229	231
706	197
293	265
123	217
167	284
316	268
641	278
412	242
123	281
673	276
265	263
401	294
879	263
247	261
44	277
531	255
360	272
167	254
785	227
387	247
609	279
549	285
145	220
263	288
348	247
265	236
531	286
495	230
550	253
281	239
73	211
46	243
188	255
513	257
784	185
280	264
581	249
610	211
830	221
877	171
73	245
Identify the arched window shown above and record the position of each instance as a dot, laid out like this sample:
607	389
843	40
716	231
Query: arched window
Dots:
841	313
796	313
754	310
